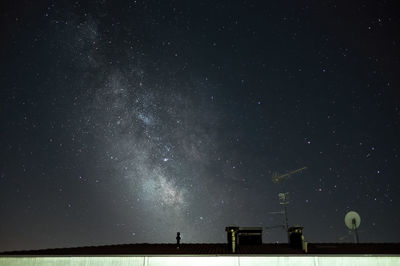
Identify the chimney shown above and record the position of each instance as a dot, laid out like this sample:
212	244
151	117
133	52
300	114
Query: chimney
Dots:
231	236
296	238
243	236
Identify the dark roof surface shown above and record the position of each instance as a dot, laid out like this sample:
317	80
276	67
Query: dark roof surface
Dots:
216	249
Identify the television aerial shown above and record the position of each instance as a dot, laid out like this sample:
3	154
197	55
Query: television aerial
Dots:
283	201
277	177
352	221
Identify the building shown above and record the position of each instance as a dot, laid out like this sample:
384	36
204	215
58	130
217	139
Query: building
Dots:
245	252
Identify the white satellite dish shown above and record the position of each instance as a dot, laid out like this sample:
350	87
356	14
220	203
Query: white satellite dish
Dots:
352	221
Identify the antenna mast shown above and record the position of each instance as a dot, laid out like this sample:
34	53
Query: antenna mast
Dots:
284	198
284	201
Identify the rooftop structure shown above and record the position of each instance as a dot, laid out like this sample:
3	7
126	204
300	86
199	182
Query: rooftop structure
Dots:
244	247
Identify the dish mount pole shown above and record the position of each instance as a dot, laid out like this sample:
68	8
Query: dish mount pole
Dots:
354	223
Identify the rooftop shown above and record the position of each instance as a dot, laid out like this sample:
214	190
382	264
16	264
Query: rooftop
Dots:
215	249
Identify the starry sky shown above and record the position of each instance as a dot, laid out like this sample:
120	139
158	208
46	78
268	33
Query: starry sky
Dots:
127	121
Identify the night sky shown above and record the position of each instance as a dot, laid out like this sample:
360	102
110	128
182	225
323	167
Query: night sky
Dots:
127	121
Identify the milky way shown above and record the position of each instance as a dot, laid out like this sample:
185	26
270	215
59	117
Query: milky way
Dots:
158	139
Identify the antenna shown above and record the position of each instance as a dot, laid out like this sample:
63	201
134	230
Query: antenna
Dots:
277	178
352	221
283	200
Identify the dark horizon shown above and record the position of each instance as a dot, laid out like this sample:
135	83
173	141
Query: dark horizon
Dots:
129	121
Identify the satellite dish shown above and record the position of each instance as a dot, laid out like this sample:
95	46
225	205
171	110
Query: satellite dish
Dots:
352	220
